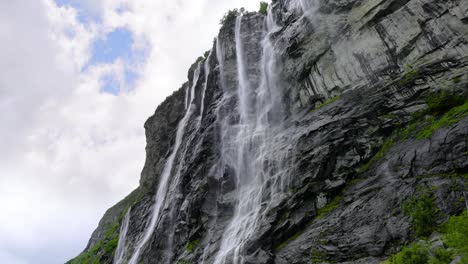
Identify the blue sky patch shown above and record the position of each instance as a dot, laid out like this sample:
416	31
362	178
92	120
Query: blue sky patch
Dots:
110	85
85	13
115	44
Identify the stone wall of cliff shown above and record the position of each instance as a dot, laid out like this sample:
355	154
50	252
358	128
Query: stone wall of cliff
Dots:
372	112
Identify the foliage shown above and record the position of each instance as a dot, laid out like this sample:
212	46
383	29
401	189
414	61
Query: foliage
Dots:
424	214
332	205
413	254
455	232
192	245
456	79
385	147
441	102
456	235
287	241
409	77
263	8
230	16
451	117
441	256
104	249
328	102
318	257
106	246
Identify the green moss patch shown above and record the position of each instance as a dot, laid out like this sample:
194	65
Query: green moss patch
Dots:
454	234
328	102
192	245
332	205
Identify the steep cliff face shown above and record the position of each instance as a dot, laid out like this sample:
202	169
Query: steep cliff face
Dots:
301	137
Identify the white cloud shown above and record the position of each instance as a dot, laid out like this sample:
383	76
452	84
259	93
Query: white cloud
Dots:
70	151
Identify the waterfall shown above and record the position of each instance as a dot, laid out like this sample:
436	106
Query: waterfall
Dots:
205	84
161	193
253	147
306	7
119	252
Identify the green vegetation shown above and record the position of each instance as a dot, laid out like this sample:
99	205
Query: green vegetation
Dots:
104	249
332	205
454	235
263	8
424	213
413	254
329	101
456	79
441	102
192	245
231	15
409	77
287	241
385	147
318	257
451	117
444	109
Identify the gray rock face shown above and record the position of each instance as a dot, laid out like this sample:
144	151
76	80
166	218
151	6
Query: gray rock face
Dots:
378	60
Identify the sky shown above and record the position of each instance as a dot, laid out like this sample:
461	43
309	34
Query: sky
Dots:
78	79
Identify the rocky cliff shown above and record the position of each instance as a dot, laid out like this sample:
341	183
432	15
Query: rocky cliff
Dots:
304	137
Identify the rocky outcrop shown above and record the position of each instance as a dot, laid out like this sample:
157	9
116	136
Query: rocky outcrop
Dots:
372	113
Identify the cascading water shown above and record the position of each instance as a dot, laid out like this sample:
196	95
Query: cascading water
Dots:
165	176
253	147
205	84
307	7
120	251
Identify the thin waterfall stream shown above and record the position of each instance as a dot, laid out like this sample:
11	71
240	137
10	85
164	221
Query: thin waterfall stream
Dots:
161	193
255	144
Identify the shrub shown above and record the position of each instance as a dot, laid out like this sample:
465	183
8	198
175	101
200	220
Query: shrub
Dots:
441	256
456	235
424	214
263	8
230	16
441	102
413	254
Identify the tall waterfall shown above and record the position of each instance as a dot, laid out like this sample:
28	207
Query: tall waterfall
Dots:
120	251
253	146
161	193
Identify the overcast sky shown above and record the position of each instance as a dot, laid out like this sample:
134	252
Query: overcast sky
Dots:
78	78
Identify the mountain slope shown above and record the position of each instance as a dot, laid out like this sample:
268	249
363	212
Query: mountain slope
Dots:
302	137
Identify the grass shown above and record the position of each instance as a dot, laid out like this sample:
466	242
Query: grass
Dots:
454	235
102	250
328	102
332	205
385	147
409	77
192	245
451	117
287	241
443	109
